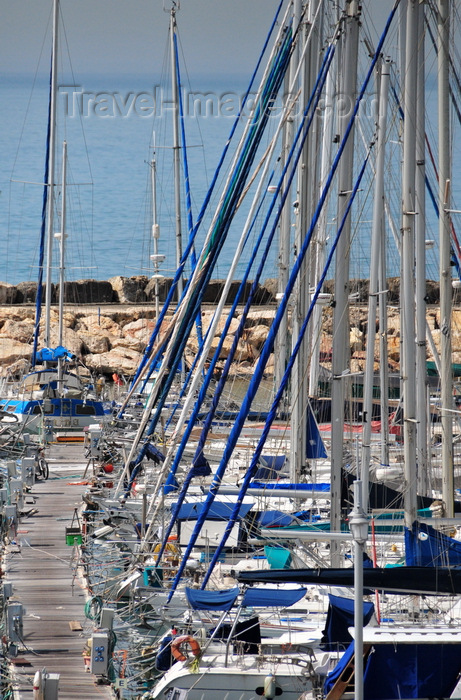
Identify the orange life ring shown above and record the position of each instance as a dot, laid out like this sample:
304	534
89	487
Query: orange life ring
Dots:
183	639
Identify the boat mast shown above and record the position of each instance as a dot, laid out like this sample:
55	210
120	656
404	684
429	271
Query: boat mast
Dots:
176	143
155	258
378	233
407	297
311	34
51	169
420	256
61	237
443	35
341	346
297	442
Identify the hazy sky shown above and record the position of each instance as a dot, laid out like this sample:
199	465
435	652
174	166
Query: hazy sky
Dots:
121	37
117	36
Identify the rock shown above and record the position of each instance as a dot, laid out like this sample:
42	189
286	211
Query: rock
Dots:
26	293
87	292
70	340
267	292
256	317
356	340
12	350
257	336
121	360
17	369
94	344
132	343
7	293
207	317
97	324
129	290
163	286
140	329
22	331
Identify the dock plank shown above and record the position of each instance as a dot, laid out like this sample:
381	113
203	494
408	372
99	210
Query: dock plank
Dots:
41	567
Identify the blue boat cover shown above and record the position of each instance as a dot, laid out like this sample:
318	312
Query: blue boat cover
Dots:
333	676
153	453
340	617
425	546
54	354
218	511
290	487
315	448
269	467
274	518
412	671
212	600
272	597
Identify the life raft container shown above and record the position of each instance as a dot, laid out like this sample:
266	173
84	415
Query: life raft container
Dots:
185	639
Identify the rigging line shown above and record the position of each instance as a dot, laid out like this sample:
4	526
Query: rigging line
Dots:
218	232
202	395
205	273
303	130
267	348
150	346
254	464
41	259
238	334
198	322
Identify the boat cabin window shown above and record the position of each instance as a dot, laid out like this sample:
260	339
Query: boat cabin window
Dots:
84	410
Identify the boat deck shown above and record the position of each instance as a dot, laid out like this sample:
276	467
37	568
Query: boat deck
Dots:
43	571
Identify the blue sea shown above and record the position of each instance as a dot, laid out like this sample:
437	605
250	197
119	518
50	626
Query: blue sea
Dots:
114	127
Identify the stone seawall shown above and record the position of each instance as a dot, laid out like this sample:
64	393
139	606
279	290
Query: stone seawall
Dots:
142	289
107	324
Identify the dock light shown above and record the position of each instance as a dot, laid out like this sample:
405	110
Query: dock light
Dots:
358	525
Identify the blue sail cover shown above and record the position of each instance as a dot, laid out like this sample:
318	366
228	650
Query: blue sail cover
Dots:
340	617
291	487
212	600
218	511
270	466
425	546
54	354
315	448
274	518
272	597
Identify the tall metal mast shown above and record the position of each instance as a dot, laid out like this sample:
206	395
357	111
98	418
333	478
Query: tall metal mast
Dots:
341	352
51	171
443	36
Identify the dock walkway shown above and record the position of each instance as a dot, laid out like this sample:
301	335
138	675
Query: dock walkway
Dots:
42	569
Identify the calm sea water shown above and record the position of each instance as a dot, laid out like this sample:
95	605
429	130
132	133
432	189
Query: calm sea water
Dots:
111	127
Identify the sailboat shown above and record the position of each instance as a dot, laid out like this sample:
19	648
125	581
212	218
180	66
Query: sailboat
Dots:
53	398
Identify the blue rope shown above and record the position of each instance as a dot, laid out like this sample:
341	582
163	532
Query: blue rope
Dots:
41	255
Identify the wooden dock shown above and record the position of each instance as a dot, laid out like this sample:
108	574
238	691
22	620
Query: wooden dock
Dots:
43	571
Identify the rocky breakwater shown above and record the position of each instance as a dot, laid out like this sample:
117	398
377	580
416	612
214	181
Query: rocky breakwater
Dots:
107	324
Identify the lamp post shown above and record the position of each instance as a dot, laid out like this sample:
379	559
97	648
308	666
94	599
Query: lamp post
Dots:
358	525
